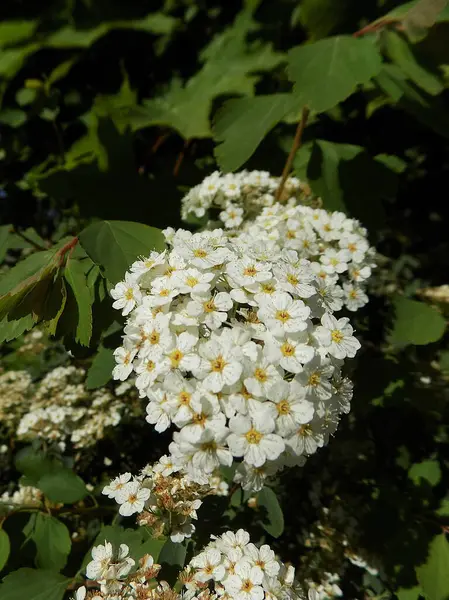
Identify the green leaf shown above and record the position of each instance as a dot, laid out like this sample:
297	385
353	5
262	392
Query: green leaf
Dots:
33	584
10	330
422	16
12	117
415	323
115	245
322	17
409	593
403	56
4	240
5	548
57	298
63	485
229	66
274	524
392	161
242	124
429	110
433	576
327	72
173	554
13	32
52	539
429	470
348	179
33	464
100	371
26	96
25	288
76	278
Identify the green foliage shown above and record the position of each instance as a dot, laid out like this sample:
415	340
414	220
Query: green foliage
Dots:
328	71
52	540
229	66
115	245
62	485
429	470
75	276
57	482
273	522
415	323
434	574
243	123
100	371
34	585
5	547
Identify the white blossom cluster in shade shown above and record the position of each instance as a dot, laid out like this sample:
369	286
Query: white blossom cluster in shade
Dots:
233	567
165	497
230	566
232	198
61	409
238	349
336	246
23	496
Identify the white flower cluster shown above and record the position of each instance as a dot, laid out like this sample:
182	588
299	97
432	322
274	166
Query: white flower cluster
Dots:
237	197
238	349
336	246
111	570
164	495
24	495
14	386
60	408
230	566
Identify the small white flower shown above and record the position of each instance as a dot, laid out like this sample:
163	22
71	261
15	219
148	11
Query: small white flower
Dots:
116	485
126	294
255	442
132	498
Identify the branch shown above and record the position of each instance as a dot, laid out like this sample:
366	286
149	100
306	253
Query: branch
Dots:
376	25
297	142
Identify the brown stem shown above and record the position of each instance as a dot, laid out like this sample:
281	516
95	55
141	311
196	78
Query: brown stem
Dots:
295	147
372	27
180	158
66	248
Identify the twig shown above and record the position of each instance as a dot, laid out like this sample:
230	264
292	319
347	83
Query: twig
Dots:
66	248
373	27
295	147
180	158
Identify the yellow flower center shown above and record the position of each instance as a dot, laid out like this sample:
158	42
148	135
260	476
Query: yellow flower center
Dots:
288	349
250	271
314	379
200	253
283	407
191	281
175	358
150	365
184	398
129	294
305	430
218	364
282	315
154	337
337	336
268	288
164	293
292	279
261	375
352	247
253	436
291	235
209	306
199	419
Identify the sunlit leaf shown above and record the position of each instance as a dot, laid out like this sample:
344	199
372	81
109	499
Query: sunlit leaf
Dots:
415	323
33	584
434	574
327	72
